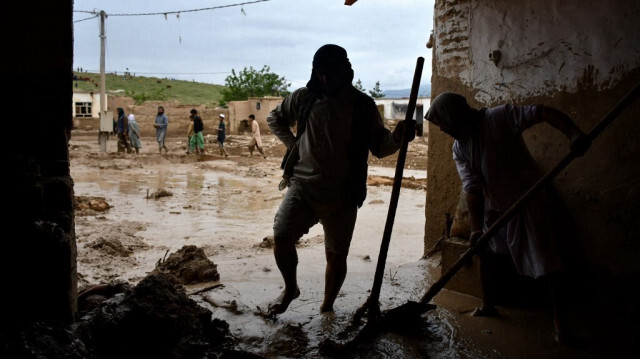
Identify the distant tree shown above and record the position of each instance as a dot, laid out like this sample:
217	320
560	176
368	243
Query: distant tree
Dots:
358	86
140	97
376	92
253	83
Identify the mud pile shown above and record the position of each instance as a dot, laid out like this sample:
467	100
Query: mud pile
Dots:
155	319
189	265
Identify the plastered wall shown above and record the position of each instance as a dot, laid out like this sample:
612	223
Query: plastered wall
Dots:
578	56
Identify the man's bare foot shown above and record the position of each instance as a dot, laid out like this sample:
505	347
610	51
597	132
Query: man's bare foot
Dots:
326	308
485	312
282	302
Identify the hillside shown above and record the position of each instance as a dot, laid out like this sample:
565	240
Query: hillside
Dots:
142	88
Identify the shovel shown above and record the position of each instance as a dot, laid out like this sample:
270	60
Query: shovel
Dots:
415	309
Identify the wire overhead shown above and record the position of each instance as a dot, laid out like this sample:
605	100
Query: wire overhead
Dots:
165	13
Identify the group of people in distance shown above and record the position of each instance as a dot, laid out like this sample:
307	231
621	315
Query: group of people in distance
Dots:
128	132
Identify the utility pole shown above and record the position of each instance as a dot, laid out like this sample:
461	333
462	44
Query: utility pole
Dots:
104	121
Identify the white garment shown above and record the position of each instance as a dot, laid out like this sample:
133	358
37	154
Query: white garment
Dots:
496	161
255	133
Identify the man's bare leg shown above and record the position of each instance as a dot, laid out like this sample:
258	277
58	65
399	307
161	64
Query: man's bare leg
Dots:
286	257
488	308
335	274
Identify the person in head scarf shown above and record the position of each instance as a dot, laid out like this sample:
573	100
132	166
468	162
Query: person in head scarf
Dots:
222	135
326	167
122	128
134	133
496	169
161	124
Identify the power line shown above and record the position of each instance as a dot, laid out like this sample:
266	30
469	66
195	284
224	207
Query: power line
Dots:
89	18
165	13
163	73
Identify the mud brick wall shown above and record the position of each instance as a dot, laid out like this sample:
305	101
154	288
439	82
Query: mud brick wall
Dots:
38	265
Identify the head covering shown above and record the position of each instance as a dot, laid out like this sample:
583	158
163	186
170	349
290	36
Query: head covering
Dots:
193	111
120	112
131	118
330	59
222	115
451	112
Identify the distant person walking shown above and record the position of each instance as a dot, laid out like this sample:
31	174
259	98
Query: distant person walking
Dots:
122	127
161	124
256	141
196	141
190	133
222	135
134	133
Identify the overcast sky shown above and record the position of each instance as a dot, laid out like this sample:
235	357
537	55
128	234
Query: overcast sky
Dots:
383	38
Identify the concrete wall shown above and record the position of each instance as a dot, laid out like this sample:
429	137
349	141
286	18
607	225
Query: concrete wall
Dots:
578	56
93	98
395	113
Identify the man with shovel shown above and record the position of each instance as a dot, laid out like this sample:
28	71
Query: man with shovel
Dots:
325	167
496	169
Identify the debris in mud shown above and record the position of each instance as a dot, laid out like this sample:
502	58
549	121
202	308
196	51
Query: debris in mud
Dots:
90	297
154	320
410	182
267	242
159	194
98	204
189	265
111	247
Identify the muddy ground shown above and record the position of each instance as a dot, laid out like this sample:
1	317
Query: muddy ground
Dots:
134	211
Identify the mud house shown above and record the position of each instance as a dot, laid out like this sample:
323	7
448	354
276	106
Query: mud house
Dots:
86	105
239	112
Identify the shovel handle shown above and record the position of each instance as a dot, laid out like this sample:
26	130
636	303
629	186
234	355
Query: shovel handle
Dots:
395	192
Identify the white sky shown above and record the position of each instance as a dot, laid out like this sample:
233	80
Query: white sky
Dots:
383	38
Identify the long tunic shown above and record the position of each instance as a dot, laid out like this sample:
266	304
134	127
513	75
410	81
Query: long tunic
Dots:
162	121
134	132
255	133
496	161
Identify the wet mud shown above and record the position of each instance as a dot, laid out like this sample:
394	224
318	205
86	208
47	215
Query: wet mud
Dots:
222	209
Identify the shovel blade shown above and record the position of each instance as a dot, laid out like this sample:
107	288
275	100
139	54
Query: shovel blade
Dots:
408	312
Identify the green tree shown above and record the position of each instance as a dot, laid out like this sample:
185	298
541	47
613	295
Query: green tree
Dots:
253	83
358	86
376	92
